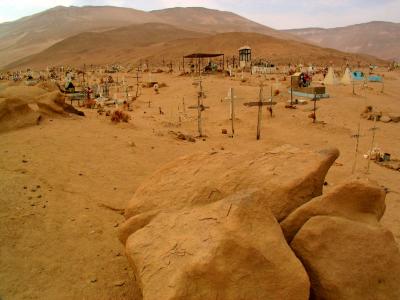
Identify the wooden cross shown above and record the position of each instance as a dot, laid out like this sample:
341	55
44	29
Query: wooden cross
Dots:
314	114
200	108
291	91
232	108
271	103
231	98
137	82
357	137
260	103
373	129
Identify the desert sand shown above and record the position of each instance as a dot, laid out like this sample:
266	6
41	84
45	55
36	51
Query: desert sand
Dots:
66	181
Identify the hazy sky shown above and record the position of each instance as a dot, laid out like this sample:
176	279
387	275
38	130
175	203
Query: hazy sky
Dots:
274	13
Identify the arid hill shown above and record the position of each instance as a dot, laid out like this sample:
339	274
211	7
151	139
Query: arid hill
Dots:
159	41
118	45
214	21
380	39
33	34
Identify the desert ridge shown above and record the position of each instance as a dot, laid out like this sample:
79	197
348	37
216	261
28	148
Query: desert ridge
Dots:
158	42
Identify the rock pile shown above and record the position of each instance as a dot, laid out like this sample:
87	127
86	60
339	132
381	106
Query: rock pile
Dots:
370	114
256	226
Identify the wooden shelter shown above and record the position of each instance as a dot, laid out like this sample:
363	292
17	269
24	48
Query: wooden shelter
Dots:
199	57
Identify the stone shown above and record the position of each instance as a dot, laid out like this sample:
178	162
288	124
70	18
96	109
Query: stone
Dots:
230	249
357	199
385	119
348	260
395	117
119	283
287	178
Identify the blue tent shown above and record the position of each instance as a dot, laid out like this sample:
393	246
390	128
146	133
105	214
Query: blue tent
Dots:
358	75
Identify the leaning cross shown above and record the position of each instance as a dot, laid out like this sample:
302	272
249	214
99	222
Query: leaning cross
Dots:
260	103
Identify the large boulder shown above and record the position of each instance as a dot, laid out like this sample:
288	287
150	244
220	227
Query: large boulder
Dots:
230	249
24	106
286	178
357	199
348	260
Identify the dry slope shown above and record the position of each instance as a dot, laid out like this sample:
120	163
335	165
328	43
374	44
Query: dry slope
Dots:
380	39
35	33
157	42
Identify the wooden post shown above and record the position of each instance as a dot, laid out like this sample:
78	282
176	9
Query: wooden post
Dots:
260	100
137	82
260	103
357	136
315	109
372	144
354	92
270	102
232	111
200	107
199	104
291	90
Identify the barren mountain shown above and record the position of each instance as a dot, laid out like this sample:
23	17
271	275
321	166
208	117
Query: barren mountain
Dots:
160	41
35	33
381	39
214	21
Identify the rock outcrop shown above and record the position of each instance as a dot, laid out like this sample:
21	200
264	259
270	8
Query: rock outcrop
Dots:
201	179
357	199
348	260
23	106
206	226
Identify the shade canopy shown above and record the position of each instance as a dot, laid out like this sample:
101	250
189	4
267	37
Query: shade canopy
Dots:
203	55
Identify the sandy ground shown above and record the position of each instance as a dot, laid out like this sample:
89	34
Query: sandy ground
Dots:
62	182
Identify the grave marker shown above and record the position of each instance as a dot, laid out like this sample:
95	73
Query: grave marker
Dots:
373	129
260	103
200	108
